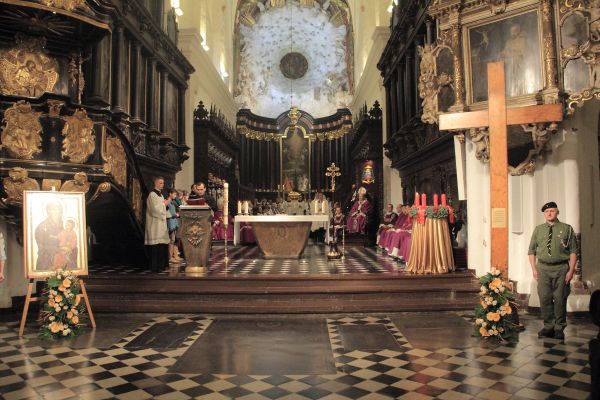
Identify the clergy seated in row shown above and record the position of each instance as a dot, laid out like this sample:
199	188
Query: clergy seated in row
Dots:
388	221
218	228
359	213
295	204
383	237
400	238
319	206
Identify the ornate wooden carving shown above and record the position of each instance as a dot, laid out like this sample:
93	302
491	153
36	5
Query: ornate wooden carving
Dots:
79	183
16	182
21	131
79	140
115	159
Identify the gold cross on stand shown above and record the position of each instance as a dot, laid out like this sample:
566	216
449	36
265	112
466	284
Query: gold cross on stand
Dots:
333	171
498	117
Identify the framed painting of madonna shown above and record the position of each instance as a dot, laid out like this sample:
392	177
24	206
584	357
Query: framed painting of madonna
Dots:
54	233
514	39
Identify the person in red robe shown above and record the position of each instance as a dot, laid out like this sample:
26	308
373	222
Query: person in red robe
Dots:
389	219
218	228
357	219
399	244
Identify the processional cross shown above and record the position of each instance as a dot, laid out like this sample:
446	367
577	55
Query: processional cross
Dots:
498	117
333	171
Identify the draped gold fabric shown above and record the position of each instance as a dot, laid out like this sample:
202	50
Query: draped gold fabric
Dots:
431	248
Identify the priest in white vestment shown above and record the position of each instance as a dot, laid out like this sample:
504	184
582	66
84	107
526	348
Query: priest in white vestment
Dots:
157	235
319	206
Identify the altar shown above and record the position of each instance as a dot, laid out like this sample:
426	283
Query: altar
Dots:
280	236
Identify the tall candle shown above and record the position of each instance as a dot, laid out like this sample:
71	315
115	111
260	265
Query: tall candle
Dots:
417	199
444	199
316	211
435	200
225	201
239	207
424	200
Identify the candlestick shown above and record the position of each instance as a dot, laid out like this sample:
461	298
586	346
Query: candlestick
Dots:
444	199
225	202
316	208
423	200
239	207
435	200
417	199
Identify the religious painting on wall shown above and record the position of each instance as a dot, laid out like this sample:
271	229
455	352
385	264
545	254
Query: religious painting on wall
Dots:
367	175
514	40
295	161
54	232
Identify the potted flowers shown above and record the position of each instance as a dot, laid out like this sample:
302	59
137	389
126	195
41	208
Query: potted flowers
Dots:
63	306
494	313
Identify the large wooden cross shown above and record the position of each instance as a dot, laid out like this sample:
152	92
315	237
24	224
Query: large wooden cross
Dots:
497	118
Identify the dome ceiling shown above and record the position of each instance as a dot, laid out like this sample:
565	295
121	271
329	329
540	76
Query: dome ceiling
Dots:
294	54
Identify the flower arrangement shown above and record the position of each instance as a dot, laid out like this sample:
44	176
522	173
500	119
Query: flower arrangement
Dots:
62	307
420	213
494	313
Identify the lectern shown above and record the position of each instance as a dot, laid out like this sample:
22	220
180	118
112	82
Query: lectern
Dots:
196	226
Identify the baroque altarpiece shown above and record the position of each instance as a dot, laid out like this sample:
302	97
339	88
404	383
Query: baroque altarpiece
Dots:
91	100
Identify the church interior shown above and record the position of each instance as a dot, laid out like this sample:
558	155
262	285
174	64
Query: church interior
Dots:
299	199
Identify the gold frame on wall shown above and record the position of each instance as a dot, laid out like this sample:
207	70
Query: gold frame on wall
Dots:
482	19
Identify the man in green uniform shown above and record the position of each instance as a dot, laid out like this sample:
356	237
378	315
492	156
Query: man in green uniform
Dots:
553	255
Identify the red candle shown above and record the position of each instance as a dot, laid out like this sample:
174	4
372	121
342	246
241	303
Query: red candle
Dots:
424	200
417	199
444	199
435	200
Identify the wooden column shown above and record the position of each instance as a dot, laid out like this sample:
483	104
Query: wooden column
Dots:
151	111
137	82
181	115
120	72
164	81
98	90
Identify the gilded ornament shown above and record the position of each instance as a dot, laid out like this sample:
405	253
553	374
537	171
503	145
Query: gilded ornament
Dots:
195	233
26	69
16	182
497	6
79	140
115	159
79	183
21	132
51	184
69	5
54	107
540	136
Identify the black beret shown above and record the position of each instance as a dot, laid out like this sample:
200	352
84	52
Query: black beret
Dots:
548	205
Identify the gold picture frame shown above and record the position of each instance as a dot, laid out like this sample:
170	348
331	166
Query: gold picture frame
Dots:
54	229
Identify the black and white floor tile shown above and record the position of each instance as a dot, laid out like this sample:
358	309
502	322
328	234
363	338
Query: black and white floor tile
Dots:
373	359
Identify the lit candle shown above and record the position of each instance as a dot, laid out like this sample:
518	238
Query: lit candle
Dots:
424	200
435	200
239	207
444	199
225	201
245	206
316	207
417	199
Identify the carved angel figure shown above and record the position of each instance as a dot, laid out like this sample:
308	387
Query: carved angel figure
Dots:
79	140
21	133
69	5
78	184
481	138
25	70
16	182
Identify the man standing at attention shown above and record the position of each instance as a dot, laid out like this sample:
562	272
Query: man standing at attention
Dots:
553	256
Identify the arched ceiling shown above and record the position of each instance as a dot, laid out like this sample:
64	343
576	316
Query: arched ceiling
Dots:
295	52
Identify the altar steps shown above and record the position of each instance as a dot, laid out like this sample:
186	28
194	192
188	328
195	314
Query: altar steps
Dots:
282	294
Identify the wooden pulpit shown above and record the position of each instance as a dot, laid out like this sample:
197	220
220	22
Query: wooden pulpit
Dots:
196	236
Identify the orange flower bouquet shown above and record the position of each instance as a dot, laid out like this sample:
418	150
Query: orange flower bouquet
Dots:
494	313
63	307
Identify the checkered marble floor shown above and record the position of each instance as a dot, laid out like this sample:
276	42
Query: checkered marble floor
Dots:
531	369
246	260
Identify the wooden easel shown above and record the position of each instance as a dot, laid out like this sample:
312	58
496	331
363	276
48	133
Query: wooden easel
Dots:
29	299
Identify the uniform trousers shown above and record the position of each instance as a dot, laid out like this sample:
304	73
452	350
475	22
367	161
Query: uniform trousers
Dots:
553	293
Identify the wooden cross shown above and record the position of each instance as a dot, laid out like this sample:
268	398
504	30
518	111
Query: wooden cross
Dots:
498	117
333	171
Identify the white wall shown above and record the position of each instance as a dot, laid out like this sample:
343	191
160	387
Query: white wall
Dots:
15	283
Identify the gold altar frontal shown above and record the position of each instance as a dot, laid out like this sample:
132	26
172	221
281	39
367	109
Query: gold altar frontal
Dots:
280	236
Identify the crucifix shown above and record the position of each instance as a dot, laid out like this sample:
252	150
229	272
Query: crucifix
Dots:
333	171
497	117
